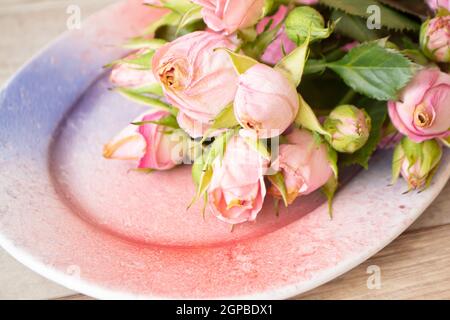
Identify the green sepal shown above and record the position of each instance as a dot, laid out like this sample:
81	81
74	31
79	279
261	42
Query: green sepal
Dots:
169	19
146	100
446	141
179	6
258	46
224	120
278	181
293	64
431	156
306	118
141	62
169	121
397	161
152	88
259	146
329	190
240	62
202	170
333	160
192	15
144	43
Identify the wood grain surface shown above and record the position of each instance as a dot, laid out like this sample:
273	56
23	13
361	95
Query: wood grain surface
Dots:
415	266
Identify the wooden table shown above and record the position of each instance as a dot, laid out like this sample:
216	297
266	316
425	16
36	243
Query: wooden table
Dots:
415	266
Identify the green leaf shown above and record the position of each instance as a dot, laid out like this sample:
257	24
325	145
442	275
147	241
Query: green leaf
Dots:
378	112
240	62
329	189
374	71
146	100
169	19
144	43
306	22
192	15
307	119
389	17
354	27
416	56
292	65
415	7
169	121
278	181
315	66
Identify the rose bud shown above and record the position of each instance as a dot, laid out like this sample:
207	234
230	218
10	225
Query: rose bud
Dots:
281	45
237	190
196	78
416	162
266	101
128	75
435	39
228	16
423	110
349	128
151	144
435	5
304	164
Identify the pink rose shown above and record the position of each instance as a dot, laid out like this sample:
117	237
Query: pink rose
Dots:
303	163
436	4
195	78
435	39
423	110
266	101
150	144
281	45
127	75
229	16
237	189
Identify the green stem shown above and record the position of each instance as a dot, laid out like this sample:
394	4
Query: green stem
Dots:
348	97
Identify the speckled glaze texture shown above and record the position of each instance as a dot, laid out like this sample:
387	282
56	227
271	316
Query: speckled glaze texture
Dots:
100	229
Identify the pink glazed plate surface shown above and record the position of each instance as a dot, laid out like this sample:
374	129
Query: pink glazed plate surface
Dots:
98	228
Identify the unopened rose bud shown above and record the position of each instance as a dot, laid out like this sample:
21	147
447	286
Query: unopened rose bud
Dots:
152	145
125	74
266	101
435	39
349	128
435	5
416	162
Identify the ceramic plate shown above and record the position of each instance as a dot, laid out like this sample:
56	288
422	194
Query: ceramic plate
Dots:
98	228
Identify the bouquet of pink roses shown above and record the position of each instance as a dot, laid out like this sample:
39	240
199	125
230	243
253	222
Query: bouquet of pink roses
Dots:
275	96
